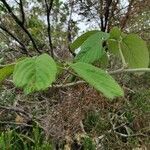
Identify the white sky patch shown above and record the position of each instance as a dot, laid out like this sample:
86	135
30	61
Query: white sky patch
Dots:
124	2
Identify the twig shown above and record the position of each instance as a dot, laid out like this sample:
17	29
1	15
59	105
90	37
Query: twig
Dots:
131	135
101	15
69	29
22	12
112	14
109	131
125	19
23	47
48	12
17	110
130	70
107	13
110	72
20	23
68	84
15	123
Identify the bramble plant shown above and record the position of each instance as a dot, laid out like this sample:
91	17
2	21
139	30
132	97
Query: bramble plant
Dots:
40	72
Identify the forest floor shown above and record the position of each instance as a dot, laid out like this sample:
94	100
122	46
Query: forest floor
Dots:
76	118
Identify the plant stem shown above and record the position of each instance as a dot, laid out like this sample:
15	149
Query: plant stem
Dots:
130	70
122	57
110	72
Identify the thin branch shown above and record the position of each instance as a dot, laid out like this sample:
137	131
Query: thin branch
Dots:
17	2
132	135
20	23
48	12
16	110
15	123
112	14
130	70
23	47
109	131
107	13
125	19
93	15
101	14
69	28
110	72
22	12
69	84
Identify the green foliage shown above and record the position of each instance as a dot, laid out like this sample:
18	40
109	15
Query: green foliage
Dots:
34	74
6	72
11	140
135	51
141	101
34	22
117	121
38	73
104	61
5	141
92	48
93	122
80	40
88	144
115	33
98	78
130	47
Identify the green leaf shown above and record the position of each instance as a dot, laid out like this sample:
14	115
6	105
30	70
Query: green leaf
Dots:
135	51
6	72
99	79
113	46
104	61
34	74
133	48
115	33
115	36
80	40
92	49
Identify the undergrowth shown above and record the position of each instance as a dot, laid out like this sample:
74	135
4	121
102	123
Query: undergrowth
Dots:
87	121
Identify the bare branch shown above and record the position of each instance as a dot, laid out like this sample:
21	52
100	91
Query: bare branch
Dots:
16	110
15	123
22	12
107	12
112	14
69	84
48	12
69	28
126	17
23	47
101	14
20	23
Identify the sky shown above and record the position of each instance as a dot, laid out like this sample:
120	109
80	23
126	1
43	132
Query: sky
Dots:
82	25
